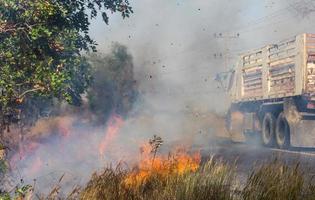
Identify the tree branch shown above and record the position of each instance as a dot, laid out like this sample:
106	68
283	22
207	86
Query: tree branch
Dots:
29	91
7	28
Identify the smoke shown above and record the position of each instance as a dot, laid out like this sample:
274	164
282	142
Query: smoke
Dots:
173	46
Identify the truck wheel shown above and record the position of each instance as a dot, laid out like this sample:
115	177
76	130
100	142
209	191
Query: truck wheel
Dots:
268	130
282	132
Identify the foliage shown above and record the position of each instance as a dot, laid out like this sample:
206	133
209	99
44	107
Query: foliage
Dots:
3	167
113	88
3	163
41	42
5	196
20	193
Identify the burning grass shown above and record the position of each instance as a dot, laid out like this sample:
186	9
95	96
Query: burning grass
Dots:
213	180
177	163
175	176
180	175
152	178
210	181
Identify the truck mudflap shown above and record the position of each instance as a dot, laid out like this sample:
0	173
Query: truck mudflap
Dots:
302	125
303	132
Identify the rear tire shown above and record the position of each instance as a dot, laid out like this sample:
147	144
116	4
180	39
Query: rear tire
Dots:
282	132
268	130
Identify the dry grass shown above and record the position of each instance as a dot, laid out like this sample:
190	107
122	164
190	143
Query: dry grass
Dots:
278	181
212	181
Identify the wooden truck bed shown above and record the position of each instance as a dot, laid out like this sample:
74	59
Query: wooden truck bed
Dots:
275	71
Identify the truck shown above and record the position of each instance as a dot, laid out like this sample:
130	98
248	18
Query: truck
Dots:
272	92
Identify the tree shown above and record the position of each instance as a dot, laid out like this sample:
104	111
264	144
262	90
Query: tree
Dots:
41	42
114	88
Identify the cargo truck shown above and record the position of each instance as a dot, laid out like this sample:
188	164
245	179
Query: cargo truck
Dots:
272	91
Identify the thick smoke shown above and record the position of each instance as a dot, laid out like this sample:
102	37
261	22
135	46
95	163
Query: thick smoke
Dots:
174	46
181	46
175	57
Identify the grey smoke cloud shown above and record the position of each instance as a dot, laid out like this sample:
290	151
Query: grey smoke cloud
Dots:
173	47
173	43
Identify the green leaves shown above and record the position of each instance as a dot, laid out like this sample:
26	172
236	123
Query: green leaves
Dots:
22	191
113	88
3	167
5	196
41	42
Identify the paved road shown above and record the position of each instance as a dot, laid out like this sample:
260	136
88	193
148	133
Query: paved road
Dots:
247	156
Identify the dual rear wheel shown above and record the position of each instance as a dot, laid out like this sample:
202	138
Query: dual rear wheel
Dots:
275	131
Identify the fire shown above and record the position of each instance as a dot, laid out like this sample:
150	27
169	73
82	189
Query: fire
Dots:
114	124
177	163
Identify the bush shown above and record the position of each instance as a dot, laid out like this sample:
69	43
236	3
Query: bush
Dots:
114	87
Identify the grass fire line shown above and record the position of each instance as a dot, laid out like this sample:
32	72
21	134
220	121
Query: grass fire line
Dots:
213	180
180	175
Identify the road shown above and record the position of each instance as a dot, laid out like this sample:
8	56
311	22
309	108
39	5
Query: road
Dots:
248	156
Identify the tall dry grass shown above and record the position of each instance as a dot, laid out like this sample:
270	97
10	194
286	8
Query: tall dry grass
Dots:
280	182
214	180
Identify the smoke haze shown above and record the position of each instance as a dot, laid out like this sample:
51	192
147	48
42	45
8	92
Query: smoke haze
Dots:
174	43
176	57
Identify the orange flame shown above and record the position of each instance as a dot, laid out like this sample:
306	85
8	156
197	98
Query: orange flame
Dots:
177	163
114	124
